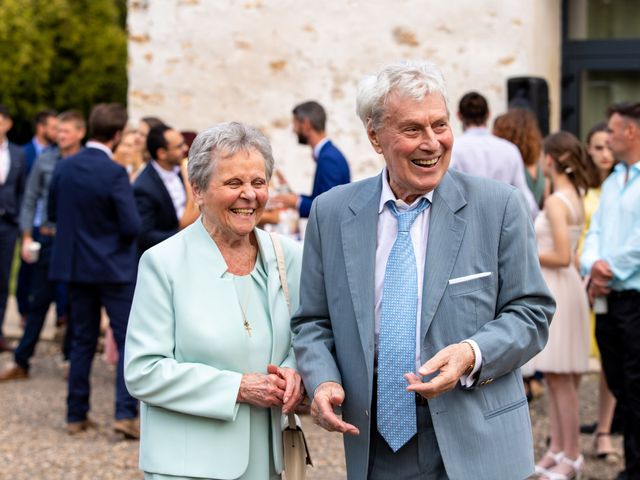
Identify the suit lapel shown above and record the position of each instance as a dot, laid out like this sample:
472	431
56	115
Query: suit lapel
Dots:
14	154
164	193
359	233
446	231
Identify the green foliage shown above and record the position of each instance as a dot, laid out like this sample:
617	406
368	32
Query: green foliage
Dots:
61	54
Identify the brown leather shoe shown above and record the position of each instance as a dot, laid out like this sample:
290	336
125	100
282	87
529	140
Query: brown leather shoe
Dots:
14	372
73	428
4	345
129	427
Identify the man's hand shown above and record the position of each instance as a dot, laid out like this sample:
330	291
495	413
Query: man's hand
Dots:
270	216
24	248
601	275
327	396
285	200
452	361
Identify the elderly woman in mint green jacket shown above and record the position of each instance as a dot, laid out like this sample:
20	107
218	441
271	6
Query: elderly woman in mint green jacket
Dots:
208	348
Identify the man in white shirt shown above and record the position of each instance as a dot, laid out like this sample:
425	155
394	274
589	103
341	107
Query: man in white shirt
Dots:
162	195
12	182
479	152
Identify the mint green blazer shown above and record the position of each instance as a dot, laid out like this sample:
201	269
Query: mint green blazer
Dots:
185	355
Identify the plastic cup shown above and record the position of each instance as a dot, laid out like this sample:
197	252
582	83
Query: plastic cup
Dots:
34	251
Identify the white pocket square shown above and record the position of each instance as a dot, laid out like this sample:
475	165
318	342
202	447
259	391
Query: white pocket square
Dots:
466	278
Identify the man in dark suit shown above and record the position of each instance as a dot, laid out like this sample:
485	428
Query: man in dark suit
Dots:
164	204
97	224
309	119
12	180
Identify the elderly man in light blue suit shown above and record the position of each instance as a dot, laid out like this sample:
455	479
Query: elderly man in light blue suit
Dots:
421	298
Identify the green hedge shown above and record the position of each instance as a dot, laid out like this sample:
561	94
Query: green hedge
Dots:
60	54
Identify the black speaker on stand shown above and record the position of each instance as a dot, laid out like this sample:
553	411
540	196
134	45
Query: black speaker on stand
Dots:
531	93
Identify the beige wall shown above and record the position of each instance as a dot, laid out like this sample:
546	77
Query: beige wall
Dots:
198	62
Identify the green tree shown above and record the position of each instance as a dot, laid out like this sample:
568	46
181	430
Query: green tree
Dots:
61	54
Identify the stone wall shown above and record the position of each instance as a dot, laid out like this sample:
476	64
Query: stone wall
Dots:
198	62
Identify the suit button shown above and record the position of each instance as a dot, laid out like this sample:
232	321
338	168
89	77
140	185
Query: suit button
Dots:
366	413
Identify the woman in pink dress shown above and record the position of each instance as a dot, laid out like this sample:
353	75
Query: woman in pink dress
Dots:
566	355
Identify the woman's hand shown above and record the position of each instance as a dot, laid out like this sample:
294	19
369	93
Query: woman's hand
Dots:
261	390
294	390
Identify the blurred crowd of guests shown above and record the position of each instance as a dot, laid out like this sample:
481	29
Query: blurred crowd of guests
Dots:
581	197
83	215
82	222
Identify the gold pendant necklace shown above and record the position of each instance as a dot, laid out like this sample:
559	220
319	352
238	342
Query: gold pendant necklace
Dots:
245	322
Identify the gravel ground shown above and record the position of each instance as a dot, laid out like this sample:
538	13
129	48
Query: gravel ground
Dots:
34	443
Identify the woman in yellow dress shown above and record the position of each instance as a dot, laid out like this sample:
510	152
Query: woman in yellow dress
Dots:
601	162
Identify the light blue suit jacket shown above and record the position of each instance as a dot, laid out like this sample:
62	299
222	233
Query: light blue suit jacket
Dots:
477	225
185	355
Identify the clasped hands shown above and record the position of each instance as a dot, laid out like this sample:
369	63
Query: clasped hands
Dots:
280	386
452	362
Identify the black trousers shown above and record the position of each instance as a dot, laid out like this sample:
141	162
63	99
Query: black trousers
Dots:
618	337
85	302
8	236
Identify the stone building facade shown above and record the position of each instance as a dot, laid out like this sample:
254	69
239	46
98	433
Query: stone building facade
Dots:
198	62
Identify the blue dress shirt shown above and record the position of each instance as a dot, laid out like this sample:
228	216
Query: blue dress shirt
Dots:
614	233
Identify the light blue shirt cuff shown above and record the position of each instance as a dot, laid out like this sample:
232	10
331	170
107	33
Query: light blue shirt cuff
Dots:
469	380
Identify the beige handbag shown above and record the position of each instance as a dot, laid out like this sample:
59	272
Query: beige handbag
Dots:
294	445
295	450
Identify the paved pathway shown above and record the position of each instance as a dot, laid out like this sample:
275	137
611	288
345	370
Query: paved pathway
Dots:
34	444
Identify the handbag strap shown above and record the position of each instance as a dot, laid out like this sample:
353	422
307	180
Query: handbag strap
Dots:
277	247
282	272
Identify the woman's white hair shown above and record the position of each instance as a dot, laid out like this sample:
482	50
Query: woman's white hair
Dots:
415	79
221	141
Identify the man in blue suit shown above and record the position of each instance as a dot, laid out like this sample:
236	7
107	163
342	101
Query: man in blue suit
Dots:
12	181
92	204
421	297
309	119
45	125
164	203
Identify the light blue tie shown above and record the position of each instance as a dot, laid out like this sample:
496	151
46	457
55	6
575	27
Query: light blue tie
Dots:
396	408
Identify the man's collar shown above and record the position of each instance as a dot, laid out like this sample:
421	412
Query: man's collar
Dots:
168	174
318	147
387	194
4	145
622	167
39	146
100	146
476	130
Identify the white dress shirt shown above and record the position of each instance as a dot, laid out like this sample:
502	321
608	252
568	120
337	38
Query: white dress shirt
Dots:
386	237
5	160
479	152
175	187
318	147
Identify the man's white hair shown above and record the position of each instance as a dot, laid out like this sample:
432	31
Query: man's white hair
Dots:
415	79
